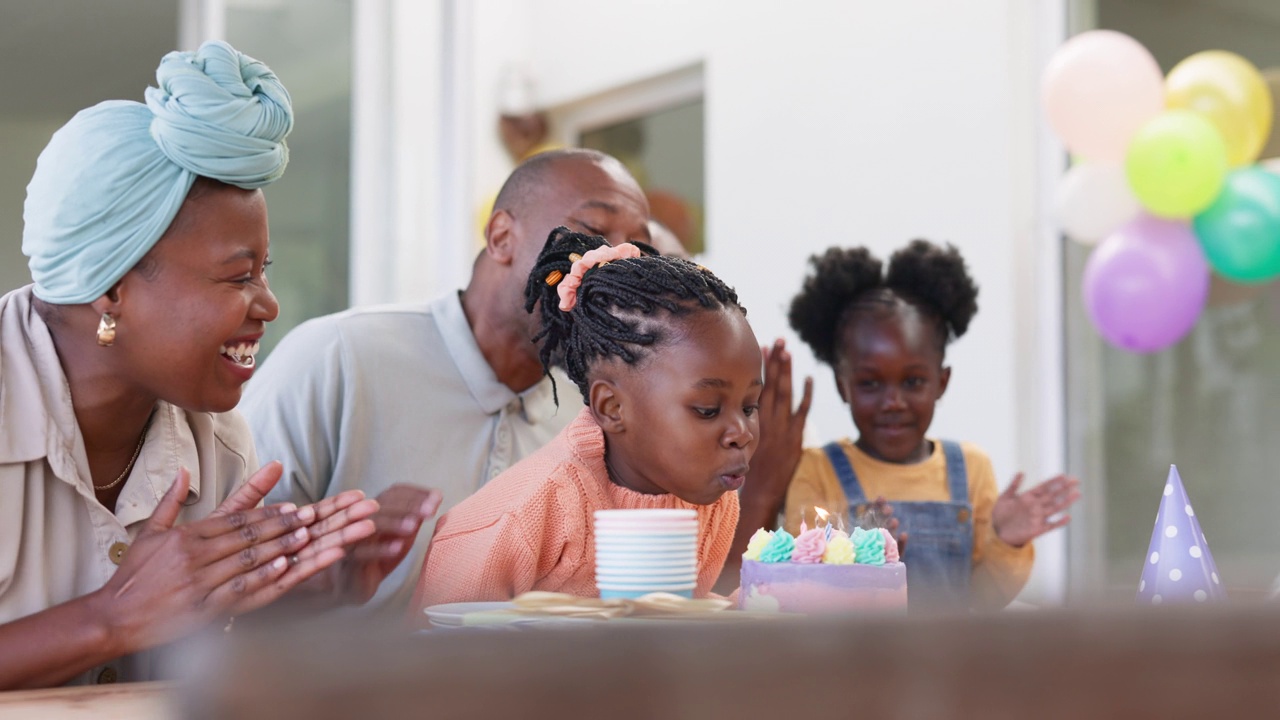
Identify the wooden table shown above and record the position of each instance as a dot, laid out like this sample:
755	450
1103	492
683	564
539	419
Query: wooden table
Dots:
126	701
1102	664
1119	663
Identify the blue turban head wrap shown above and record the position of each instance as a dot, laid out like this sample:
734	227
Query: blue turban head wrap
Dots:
113	178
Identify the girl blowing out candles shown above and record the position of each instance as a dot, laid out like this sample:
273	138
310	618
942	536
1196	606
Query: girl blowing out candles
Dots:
671	376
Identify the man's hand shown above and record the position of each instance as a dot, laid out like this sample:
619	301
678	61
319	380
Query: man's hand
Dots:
402	510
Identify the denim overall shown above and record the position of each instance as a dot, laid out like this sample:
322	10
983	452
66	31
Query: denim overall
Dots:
939	551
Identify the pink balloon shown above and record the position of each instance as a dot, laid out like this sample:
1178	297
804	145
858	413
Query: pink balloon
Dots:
1145	285
1100	87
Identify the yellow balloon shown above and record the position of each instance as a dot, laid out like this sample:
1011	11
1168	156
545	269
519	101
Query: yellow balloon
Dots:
1231	93
1272	148
482	219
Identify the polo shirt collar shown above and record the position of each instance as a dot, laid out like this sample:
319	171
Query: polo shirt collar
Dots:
490	394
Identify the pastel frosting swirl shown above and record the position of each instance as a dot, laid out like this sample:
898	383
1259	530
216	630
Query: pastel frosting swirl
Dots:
779	548
757	544
839	550
868	546
890	546
810	546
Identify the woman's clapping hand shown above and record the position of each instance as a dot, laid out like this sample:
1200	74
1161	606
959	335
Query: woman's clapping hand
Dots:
175	579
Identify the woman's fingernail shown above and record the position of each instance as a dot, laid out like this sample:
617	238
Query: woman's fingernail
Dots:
279	563
307	514
301	534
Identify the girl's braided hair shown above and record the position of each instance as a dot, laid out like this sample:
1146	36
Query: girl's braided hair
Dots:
849	281
616	303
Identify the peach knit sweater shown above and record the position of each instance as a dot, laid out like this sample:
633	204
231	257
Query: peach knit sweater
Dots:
531	527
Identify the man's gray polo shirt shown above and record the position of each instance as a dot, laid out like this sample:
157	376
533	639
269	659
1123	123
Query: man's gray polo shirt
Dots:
372	397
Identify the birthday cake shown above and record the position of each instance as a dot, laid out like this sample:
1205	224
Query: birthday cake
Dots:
823	571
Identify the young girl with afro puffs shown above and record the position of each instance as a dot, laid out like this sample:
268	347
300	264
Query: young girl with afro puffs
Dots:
671	376
884	333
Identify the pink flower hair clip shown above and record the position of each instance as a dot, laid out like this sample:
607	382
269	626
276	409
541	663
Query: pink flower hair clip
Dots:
568	288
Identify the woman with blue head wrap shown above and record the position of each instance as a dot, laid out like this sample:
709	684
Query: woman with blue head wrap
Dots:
131	513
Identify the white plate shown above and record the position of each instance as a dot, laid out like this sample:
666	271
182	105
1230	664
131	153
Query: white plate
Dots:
656	554
656	547
452	614
613	556
637	522
663	580
665	545
635	529
652	587
647	540
628	532
647	570
613	569
674	542
664	513
621	558
642	520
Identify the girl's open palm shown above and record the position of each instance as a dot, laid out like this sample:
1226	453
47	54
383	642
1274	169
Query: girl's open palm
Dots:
1019	518
781	430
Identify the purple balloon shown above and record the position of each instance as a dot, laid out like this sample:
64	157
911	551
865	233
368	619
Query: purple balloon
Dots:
1145	285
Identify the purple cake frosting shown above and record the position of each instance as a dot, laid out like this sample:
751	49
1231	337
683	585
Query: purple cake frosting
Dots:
823	589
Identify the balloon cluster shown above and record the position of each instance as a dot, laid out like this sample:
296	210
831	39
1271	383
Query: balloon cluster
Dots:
1163	181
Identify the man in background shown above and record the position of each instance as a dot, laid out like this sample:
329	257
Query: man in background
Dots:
445	395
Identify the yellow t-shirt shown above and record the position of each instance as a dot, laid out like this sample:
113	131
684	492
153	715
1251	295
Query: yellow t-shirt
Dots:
999	569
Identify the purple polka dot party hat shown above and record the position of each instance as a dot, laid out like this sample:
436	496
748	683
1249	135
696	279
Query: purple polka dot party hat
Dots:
1178	566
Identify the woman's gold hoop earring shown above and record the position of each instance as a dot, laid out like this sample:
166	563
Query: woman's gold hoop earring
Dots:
106	330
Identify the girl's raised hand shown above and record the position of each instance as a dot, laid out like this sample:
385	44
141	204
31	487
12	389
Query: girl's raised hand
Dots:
781	431
778	451
1019	518
173	579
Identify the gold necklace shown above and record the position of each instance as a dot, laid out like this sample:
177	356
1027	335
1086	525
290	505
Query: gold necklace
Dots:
132	460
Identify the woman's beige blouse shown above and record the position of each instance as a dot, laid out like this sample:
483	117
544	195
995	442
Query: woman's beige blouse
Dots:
57	542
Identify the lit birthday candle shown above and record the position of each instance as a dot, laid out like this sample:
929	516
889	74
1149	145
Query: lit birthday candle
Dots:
824	517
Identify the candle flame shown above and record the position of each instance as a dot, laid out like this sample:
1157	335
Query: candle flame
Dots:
821	514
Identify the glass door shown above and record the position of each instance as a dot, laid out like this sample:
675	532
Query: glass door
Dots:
308	43
1211	403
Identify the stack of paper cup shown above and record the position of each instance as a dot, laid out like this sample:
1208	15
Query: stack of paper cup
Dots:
645	551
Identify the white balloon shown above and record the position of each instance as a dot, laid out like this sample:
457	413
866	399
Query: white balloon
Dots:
1093	200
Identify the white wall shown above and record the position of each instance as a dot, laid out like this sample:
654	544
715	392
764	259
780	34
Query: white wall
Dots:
844	123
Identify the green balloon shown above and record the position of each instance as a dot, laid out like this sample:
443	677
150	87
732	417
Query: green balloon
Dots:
1176	164
1240	232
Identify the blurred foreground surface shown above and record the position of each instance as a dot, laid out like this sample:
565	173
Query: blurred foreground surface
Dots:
1125	662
